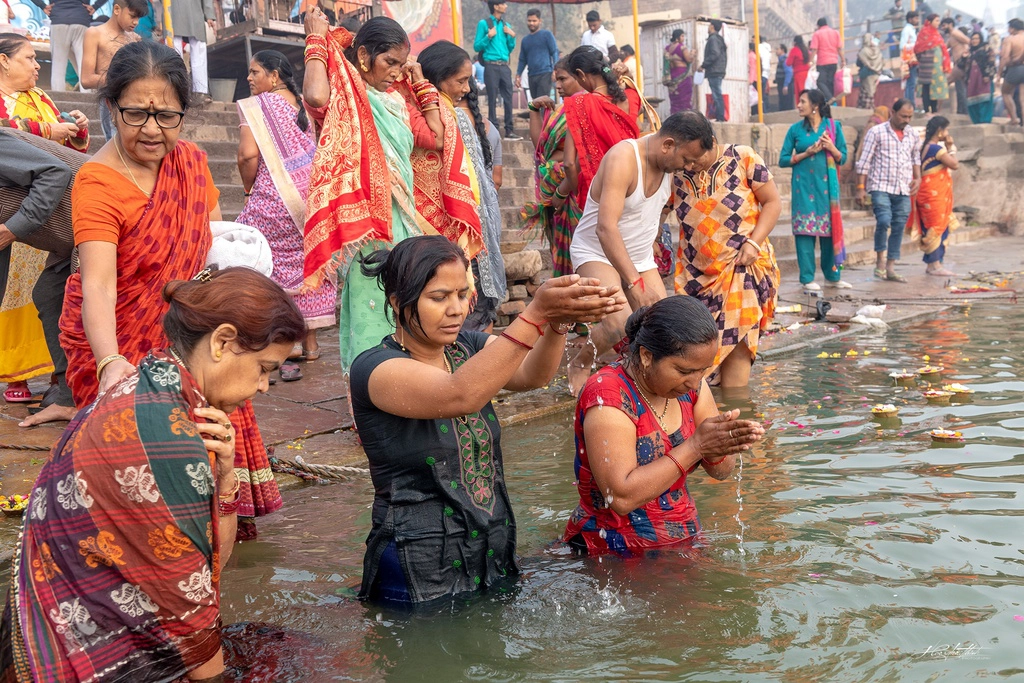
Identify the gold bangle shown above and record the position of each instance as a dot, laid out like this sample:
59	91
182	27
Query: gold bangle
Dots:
102	365
234	490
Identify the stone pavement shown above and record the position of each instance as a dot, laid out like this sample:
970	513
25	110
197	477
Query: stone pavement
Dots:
310	417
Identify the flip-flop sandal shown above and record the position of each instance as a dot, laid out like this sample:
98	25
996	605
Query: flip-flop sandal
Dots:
290	372
880	274
895	277
18	395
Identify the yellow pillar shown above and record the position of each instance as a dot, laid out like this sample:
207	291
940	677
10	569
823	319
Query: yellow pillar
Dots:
842	35
757	53
456	21
636	48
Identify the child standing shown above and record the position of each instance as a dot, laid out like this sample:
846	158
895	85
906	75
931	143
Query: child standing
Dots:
101	42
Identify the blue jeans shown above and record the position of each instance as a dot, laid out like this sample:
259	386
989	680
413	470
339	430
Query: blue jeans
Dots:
910	90
715	83
891	214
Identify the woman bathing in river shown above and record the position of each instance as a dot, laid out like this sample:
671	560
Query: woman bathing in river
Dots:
643	426
442	523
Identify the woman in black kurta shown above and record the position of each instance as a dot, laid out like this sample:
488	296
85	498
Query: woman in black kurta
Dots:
442	521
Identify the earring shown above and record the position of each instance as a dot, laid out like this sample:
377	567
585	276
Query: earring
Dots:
218	355
362	65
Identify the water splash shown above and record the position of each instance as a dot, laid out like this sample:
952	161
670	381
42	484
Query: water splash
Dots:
742	527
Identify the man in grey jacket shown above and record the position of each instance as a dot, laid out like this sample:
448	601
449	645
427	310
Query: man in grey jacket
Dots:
716	58
35	190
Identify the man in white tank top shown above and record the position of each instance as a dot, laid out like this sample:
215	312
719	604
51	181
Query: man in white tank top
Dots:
614	240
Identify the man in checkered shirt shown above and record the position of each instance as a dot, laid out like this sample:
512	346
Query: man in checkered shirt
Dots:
890	170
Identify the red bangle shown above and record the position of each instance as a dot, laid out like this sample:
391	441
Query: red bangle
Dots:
539	327
639	281
714	462
668	454
226	509
515	341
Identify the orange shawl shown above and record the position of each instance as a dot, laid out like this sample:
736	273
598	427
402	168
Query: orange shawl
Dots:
442	185
349	203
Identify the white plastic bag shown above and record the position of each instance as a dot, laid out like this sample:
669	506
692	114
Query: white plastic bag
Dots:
235	244
812	79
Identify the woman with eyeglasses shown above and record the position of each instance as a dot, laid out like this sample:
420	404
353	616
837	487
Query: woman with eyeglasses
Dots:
141	212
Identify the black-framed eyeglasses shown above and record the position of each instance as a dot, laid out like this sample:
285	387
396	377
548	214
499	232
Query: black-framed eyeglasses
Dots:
137	118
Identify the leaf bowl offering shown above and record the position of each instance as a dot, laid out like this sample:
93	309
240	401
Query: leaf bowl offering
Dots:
937	395
13	506
958	388
885	410
946	435
930	370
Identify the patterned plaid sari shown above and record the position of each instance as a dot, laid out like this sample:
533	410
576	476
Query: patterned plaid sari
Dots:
117	576
716	211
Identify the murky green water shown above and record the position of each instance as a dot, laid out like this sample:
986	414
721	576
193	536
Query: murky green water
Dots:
845	550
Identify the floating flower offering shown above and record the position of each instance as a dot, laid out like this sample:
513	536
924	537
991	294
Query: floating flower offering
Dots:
886	409
937	395
946	435
958	388
13	506
930	370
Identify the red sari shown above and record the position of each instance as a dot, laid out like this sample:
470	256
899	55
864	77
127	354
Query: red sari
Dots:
596	123
169	242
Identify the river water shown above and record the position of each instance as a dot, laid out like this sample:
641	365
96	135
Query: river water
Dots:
847	549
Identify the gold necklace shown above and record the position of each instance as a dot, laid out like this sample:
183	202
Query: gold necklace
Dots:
117	148
664	411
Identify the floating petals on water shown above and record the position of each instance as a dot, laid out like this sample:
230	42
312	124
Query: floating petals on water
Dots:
851	352
836	355
826	398
870	523
926	358
1018	617
823	354
818	576
867	353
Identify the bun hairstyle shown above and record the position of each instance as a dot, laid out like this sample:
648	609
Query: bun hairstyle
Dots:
252	303
378	35
589	60
670	327
271	61
935	124
404	272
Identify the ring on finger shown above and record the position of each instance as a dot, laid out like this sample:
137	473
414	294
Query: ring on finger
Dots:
226	438
225	425
730	434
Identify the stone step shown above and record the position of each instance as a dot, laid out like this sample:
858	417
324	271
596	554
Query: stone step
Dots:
862	253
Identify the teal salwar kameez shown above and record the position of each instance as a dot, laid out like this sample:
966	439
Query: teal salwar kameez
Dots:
811	198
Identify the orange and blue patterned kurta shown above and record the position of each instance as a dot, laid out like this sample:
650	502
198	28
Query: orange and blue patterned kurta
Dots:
117	576
668	519
717	210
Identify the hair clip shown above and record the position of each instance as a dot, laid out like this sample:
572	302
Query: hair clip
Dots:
203	275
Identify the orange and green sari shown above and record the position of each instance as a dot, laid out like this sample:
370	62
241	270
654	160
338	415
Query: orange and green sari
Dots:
931	211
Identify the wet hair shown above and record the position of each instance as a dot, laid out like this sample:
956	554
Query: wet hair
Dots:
256	306
11	43
1016	24
352	24
593	15
146	59
139	8
378	35
442	60
717	25
627	50
818	99
271	61
935	124
687	126
900	104
404	271
822	22
912	14
589	60
670	327
798	43
534	12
